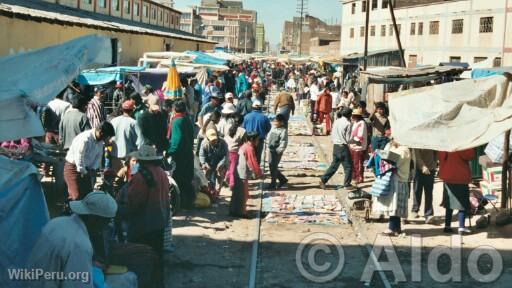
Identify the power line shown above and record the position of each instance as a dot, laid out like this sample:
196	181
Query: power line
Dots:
302	9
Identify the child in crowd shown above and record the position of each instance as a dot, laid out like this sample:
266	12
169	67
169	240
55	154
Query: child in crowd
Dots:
277	140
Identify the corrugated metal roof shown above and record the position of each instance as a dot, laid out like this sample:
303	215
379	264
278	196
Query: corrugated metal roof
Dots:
399	72
53	13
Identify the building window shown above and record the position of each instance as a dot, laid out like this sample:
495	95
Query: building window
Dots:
496	62
88	1
391	30
399	28
145	11
458	26
351	32
361	31
353	8
127	7
161	15
385	4
101	3
115	5
172	19
154	14
218	28
372	30
486	24
434	28
383	30
375	4
218	39
363	9
479	59
136	9
455	59
166	17
420	28
413	28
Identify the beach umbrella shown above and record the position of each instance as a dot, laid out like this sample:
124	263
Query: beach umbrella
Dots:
173	84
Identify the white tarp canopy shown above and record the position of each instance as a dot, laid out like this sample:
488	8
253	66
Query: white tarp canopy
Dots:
452	116
38	76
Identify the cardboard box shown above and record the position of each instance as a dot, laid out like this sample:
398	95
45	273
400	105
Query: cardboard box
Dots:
492	175
492	189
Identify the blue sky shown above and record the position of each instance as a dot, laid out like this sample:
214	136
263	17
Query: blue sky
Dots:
273	13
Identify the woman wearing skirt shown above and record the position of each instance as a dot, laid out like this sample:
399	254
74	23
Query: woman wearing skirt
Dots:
394	205
455	171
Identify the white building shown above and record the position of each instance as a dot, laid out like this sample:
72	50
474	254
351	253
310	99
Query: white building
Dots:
433	31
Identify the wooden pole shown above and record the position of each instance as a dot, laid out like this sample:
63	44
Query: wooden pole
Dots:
397	33
366	35
504	173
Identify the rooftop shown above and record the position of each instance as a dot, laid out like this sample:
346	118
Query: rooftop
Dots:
59	14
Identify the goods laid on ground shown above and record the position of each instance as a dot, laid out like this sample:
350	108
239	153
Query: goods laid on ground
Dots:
302	156
302	209
297	126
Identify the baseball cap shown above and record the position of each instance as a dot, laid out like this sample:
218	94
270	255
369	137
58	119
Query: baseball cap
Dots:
96	203
256	104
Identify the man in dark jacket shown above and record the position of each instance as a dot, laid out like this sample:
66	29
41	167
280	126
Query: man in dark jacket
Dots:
244	106
181	147
153	125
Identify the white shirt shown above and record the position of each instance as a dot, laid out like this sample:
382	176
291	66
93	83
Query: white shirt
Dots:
59	106
63	246
85	152
336	98
314	91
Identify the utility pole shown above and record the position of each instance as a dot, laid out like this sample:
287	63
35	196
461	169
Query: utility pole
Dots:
302	8
397	33
367	3
245	41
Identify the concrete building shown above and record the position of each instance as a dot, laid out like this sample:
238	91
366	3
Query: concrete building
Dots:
433	31
135	26
312	27
229	24
260	38
190	21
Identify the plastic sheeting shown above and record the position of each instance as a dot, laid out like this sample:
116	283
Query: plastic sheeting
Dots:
202	58
452	116
106	75
38	76
23	213
480	73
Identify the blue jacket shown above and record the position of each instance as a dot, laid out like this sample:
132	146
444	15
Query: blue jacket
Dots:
256	121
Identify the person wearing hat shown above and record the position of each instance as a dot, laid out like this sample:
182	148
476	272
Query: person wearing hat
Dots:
258	122
146	204
213	105
247	163
323	108
65	244
213	157
277	140
228	118
181	147
153	125
314	91
118	95
128	137
358	145
84	158
230	99
96	110
341	135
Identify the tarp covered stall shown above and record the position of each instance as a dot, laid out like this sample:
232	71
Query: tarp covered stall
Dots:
23	213
452	116
203	58
38	76
480	73
106	75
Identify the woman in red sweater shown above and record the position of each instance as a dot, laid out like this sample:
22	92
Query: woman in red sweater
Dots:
455	171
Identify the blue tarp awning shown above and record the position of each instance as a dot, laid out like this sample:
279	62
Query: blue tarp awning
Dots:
106	75
202	58
480	73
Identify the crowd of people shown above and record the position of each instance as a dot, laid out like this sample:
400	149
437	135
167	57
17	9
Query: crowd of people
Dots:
223	125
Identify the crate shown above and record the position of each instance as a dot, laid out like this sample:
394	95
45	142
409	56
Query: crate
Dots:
492	175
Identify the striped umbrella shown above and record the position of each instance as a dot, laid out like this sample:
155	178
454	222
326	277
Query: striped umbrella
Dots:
173	85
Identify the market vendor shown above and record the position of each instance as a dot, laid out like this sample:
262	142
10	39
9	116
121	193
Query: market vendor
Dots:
213	156
84	158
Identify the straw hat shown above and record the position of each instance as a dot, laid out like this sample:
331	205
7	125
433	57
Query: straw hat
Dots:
146	153
357	112
229	109
211	135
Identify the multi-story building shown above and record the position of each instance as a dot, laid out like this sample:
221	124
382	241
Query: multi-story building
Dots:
260	38
135	26
312	27
433	31
190	21
229	24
